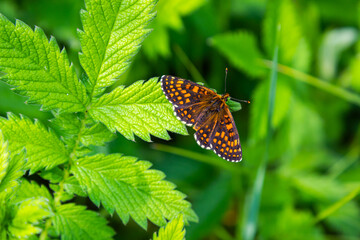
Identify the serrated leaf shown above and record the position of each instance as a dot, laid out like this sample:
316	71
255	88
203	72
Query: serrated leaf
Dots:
97	134
69	127
28	190
54	175
242	51
4	155
29	213
43	148
38	69
113	32
72	186
139	109
75	222
14	171
132	189
11	169
174	230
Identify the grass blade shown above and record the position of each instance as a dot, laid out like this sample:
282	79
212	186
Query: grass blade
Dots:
252	203
336	206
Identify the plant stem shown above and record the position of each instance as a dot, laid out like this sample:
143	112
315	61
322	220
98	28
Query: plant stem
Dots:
316	82
58	194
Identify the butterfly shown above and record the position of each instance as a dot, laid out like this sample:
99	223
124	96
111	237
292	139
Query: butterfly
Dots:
207	112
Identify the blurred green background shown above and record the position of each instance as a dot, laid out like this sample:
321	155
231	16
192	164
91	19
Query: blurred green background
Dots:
312	176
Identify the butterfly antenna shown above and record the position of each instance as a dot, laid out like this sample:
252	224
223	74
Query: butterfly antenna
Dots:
226	71
237	100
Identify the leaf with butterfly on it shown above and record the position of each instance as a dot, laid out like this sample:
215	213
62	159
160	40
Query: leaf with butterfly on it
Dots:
139	109
207	112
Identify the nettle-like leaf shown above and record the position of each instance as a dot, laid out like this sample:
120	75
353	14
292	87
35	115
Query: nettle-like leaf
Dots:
69	127
132	189
28	190
174	230
242	51
28	215
139	109
38	69
43	148
75	222
4	155
11	168
113	32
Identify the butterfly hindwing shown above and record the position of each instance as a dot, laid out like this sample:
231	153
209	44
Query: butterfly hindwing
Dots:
225	141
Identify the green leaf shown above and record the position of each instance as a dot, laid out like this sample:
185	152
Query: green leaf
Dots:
54	175
43	148
140	109
11	169
72	186
113	32
96	134
258	112
158	42
28	190
75	222
71	126
131	188
38	69
174	230
242	51
28	215
14	171
4	155
334	43
292	40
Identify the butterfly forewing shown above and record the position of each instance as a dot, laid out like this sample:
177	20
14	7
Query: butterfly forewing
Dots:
184	93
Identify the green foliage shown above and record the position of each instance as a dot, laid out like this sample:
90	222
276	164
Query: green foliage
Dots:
71	174
129	187
27	215
174	230
242	50
113	32
75	222
38	69
11	169
43	148
63	150
169	13
140	109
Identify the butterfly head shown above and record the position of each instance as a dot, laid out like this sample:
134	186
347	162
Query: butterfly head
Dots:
225	97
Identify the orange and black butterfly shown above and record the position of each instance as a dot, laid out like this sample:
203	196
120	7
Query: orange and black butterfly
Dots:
207	112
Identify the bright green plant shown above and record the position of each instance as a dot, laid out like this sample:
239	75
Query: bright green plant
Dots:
84	116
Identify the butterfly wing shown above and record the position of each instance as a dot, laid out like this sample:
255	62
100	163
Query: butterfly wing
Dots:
215	130
189	99
184	93
224	140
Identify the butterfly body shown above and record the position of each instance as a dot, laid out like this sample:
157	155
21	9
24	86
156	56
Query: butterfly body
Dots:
207	112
